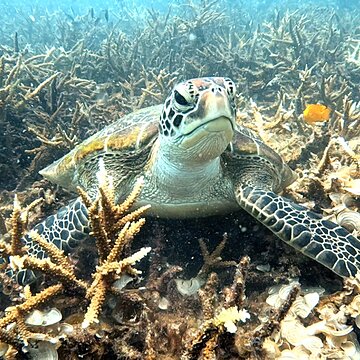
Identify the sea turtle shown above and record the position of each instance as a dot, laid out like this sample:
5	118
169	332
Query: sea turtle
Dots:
196	161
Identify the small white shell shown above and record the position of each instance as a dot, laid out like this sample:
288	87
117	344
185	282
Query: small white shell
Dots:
312	299
298	353
279	294
344	200
44	318
274	289
350	220
293	331
263	267
52	317
163	303
285	291
43	351
303	305
355	187
35	318
66	329
349	348
120	283
189	287
274	300
313	344
288	355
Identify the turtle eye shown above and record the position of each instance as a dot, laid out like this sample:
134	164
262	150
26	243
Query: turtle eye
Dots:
180	99
230	86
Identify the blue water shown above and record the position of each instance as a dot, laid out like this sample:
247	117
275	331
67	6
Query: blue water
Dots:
23	16
79	7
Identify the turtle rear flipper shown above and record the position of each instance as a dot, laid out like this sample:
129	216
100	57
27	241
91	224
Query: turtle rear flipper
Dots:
65	229
318	238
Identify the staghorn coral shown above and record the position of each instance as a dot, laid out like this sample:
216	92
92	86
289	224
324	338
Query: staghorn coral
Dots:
180	330
219	317
210	261
105	216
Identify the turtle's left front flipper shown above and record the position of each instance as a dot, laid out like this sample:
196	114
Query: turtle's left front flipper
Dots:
318	238
66	229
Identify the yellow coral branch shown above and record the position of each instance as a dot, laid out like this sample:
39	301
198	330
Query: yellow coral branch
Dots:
21	327
96	303
103	279
126	235
17	229
31	304
131	216
129	201
9	338
98	230
84	197
41	86
65	275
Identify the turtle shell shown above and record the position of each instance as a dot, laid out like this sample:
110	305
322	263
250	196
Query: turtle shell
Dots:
127	135
247	146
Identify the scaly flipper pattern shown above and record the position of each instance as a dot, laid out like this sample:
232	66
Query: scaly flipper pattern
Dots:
318	238
66	229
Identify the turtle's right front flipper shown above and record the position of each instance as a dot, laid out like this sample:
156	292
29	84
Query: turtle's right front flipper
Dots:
316	237
65	229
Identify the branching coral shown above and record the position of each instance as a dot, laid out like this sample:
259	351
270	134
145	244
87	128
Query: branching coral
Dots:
211	261
114	227
220	317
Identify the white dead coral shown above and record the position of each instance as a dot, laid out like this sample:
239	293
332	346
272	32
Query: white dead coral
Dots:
229	317
329	337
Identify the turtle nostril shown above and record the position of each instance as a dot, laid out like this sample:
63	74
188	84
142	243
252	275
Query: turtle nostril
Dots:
217	89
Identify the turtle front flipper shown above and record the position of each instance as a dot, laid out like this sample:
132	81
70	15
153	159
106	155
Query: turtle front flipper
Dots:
66	229
318	238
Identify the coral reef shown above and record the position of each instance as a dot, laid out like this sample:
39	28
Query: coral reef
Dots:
65	74
113	226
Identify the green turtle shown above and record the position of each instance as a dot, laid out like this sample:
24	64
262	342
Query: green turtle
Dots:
195	161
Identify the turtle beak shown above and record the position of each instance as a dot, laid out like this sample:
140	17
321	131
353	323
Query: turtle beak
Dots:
216	131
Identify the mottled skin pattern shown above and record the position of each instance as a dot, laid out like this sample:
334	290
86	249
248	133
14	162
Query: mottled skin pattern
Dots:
196	161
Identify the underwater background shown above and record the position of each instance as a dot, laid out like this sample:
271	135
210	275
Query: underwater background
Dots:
222	287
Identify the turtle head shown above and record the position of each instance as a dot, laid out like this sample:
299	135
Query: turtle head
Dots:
198	118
